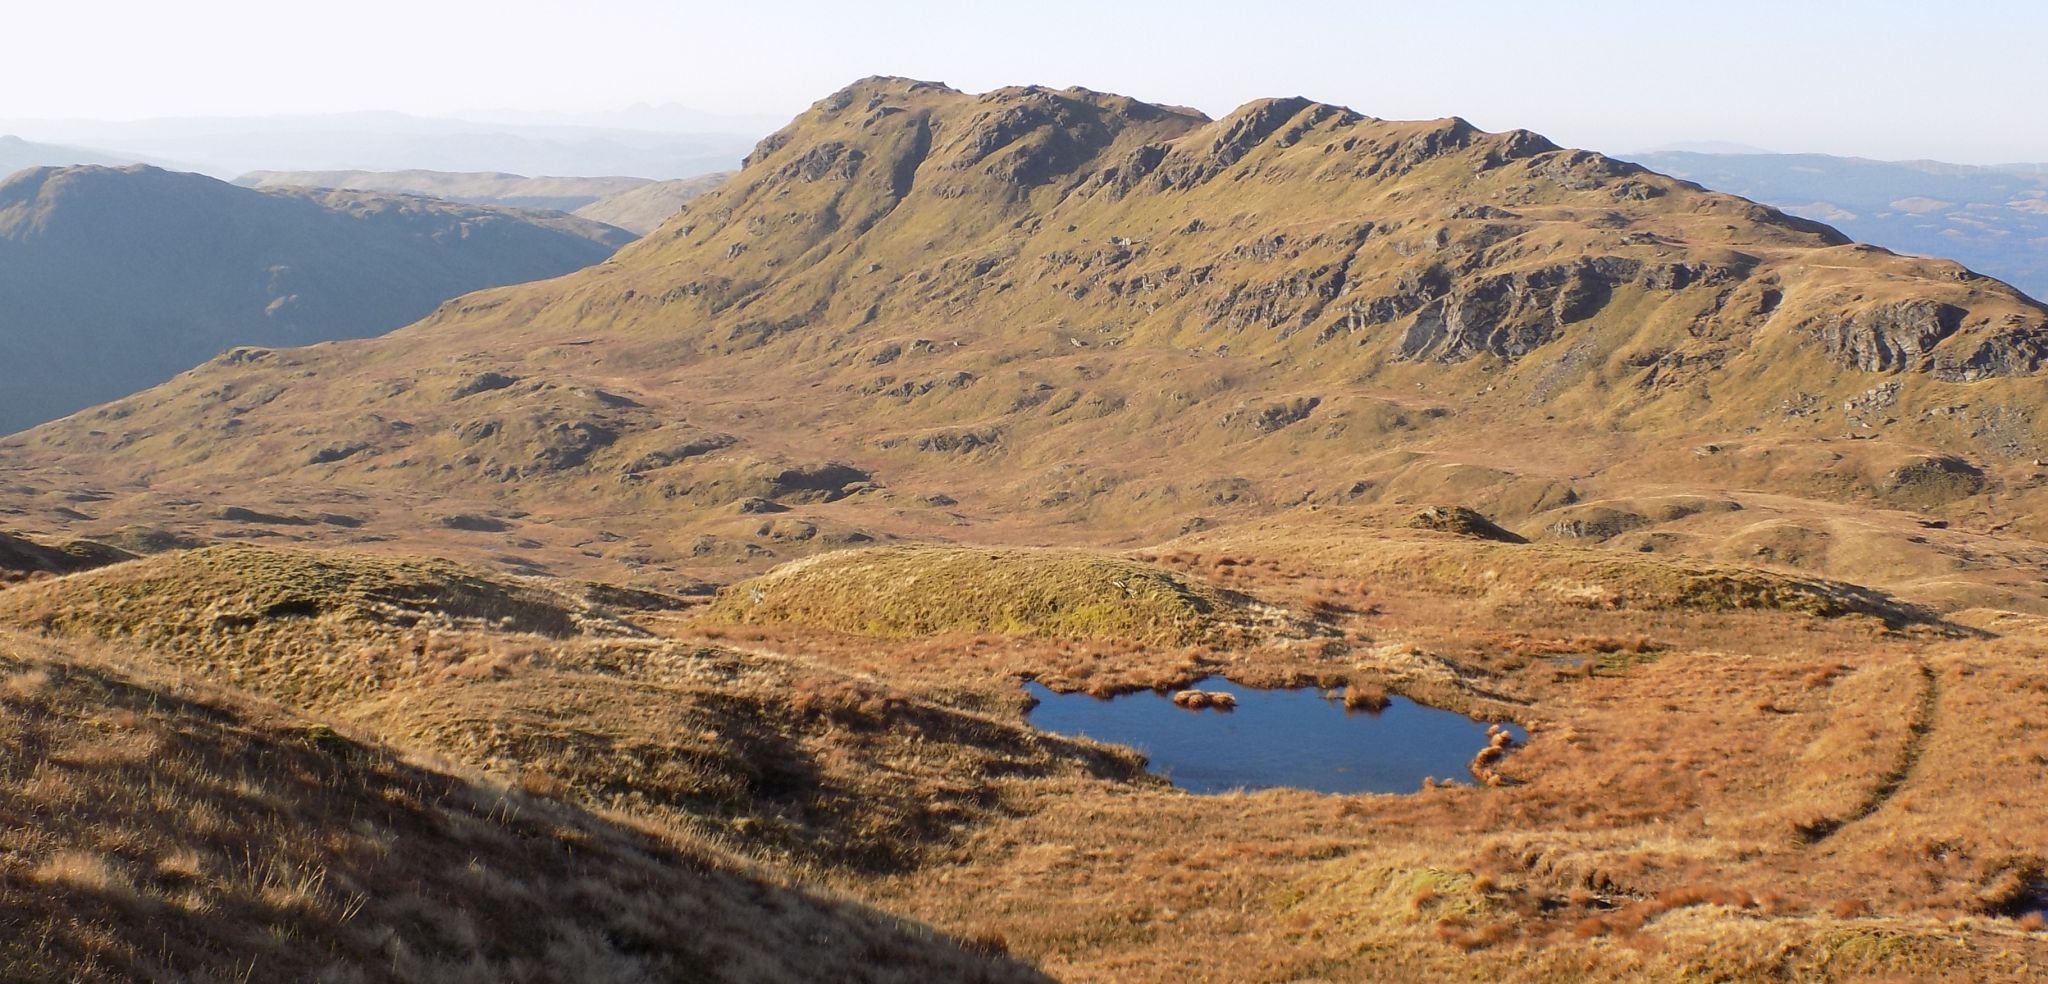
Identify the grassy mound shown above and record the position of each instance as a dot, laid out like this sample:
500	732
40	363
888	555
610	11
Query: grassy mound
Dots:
927	590
1603	579
227	586
305	626
158	833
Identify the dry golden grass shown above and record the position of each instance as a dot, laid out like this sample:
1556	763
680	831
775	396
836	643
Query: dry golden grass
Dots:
312	627
1744	794
239	842
928	590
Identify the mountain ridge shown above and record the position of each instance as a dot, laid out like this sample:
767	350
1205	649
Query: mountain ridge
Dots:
1018	301
117	278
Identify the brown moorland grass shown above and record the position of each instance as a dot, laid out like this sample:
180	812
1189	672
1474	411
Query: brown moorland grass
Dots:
174	833
932	590
785	760
310	627
1655	825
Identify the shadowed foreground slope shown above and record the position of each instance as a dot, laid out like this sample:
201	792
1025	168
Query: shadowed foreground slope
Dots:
165	832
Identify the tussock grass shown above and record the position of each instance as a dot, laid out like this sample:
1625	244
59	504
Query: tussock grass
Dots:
243	849
924	591
312	627
1548	573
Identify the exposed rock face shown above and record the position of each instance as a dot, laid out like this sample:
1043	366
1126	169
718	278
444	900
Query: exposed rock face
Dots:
1891	337
1463	522
1513	314
1272	416
1597	523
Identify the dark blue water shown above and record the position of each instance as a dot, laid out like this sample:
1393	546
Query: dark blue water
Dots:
1275	738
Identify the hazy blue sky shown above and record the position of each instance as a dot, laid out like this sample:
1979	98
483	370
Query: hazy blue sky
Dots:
1958	80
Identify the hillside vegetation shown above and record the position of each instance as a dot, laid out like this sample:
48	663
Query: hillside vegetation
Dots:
1753	792
173	832
922	591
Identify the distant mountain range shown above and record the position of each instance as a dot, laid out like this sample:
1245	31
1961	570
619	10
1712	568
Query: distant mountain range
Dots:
17	154
635	204
1993	219
225	147
114	279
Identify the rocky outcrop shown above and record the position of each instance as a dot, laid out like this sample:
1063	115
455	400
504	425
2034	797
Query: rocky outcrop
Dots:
1933	481
1509	315
1462	522
1896	337
1269	417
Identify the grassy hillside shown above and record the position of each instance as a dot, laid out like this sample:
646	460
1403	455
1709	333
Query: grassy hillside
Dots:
178	832
1740	792
1038	313
117	279
1740	523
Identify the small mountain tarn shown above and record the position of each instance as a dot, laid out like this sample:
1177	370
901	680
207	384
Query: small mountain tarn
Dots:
1304	738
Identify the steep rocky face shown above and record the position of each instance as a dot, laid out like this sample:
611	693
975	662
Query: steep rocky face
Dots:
1036	309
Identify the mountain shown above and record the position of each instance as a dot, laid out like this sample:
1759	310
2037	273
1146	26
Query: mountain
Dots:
476	188
456	653
645	208
113	280
1994	220
634	204
17	154
384	141
1038	314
